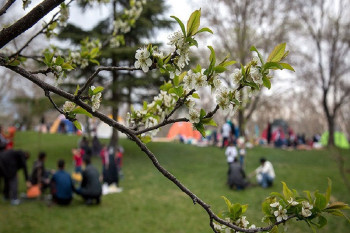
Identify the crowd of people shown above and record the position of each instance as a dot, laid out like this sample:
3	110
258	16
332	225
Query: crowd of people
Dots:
60	183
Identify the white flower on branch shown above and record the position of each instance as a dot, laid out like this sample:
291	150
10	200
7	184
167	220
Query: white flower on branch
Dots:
236	76
193	115
96	101
68	106
280	214
242	222
292	202
172	73
177	39
189	80
143	60
306	209
275	204
200	80
256	75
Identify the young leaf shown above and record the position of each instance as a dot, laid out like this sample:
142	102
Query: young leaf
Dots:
67	66
199	126
59	61
202	113
273	65
274	230
76	90
277	53
219	69
322	221
193	23
182	26
146	139
204	30
80	110
286	191
209	121
195	95
14	63
228	203
320	201
212	57
181	76
227	63
259	55
77	124
266	82
287	66
337	205
97	90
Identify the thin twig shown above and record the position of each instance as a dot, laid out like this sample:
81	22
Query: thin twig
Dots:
6	6
47	94
98	70
46	71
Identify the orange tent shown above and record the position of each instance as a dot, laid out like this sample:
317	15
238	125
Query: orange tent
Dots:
184	129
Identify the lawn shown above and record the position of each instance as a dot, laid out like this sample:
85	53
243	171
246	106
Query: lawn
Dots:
151	203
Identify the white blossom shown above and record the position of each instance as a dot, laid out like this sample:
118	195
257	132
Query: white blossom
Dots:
236	76
306	209
177	39
200	79
275	204
216	82
280	214
95	101
194	115
189	80
292	202
242	222
68	106
252	226
172	73
256	75
143	60
223	99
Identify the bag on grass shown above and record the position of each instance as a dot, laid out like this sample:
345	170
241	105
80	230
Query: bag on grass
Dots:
34	191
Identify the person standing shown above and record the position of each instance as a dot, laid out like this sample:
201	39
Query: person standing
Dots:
265	174
90	188
10	162
231	154
62	187
226	134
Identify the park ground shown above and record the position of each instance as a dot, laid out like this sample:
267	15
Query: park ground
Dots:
151	203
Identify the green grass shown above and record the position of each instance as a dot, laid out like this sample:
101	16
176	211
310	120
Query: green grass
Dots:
151	203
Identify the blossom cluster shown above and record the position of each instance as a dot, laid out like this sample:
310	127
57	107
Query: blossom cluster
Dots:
241	222
68	106
64	15
95	99
143	59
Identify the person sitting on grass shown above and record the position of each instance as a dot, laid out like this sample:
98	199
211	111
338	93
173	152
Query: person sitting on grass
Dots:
236	176
62	187
265	173
40	176
90	188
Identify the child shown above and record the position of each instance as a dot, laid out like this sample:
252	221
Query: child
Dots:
241	151
78	159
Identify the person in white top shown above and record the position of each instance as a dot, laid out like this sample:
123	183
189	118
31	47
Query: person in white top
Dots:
231	153
226	133
265	174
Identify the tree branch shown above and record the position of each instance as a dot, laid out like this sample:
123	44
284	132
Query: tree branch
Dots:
27	21
99	69
6	6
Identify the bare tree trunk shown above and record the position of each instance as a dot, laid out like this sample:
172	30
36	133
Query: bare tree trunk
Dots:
113	142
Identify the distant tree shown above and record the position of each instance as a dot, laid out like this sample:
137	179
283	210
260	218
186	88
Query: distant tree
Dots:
325	60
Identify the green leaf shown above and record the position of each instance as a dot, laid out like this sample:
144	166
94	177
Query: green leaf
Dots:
228	63
219	69
266	207
337	205
244	208
94	52
274	230
212	57
308	194
199	126
178	91
176	80
273	65
204	30
259	55
236	211
266	82
320	201
209	121
48	58
286	66
144	105
97	90
146	139
202	113
59	61
276	194
197	69
181	25
277	53
77	124
67	66
195	95
181	76
193	23
192	41
76	90
286	191
322	221
228	203
329	190
94	61
80	110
